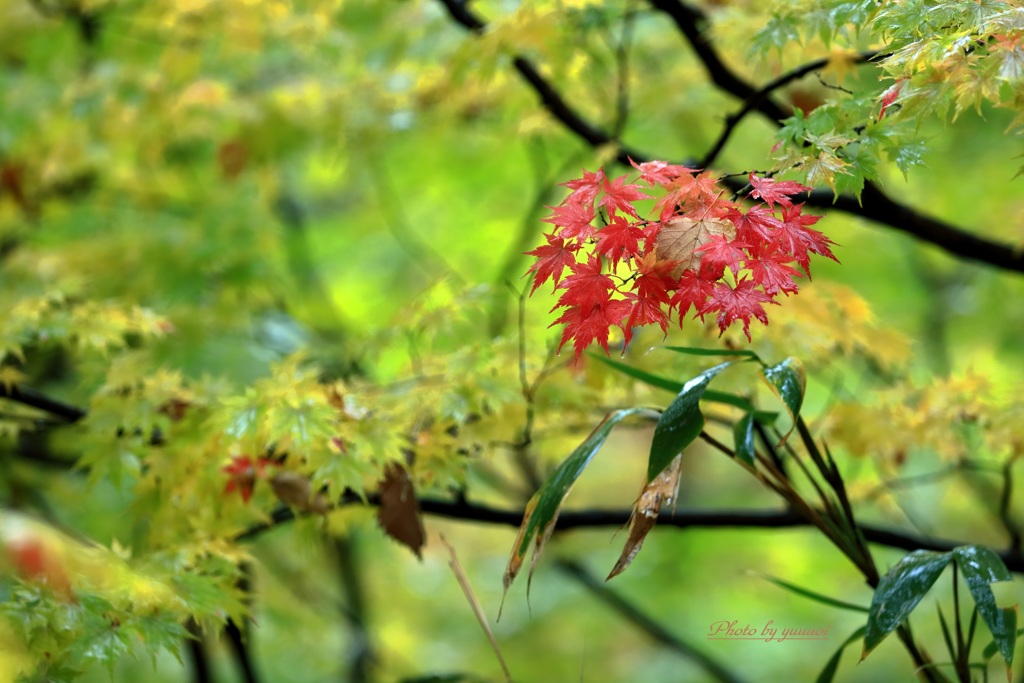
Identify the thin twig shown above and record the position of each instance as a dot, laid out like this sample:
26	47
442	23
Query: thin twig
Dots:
645	623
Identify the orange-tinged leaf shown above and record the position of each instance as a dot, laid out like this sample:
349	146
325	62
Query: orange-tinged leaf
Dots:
515	561
542	511
399	511
680	238
645	512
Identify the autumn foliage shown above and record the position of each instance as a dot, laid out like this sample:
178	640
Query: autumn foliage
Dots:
697	250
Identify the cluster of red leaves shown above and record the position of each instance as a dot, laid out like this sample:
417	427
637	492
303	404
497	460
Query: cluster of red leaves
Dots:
243	472
697	250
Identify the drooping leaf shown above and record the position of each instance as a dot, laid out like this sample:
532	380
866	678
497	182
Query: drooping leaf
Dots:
697	351
816	597
787	380
542	509
741	302
760	416
681	422
399	510
832	665
980	567
898	593
743	435
645	512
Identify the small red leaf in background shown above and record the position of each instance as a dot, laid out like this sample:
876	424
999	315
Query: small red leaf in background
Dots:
399	510
243	472
33	560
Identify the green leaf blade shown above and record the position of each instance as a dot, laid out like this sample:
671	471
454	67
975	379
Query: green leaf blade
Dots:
899	592
681	423
543	508
980	567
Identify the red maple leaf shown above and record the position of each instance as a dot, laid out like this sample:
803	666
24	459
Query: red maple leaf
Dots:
770	269
660	172
756	225
552	258
890	95
619	239
591	323
654	277
687	190
587	286
585	189
644	311
691	290
795	237
243	473
737	303
574	218
620	195
720	253
771	190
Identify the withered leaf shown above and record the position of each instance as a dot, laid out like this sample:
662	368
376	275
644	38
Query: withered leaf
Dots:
645	512
295	490
399	510
681	237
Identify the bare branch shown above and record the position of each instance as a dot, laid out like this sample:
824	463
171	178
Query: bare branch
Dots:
874	204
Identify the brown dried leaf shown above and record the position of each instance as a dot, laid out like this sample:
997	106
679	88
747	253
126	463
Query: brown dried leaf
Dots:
515	561
645	512
295	490
681	237
399	511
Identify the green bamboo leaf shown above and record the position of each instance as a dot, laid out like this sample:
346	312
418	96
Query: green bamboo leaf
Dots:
992	648
542	510
697	351
832	665
817	597
762	416
681	422
788	380
946	635
981	566
645	377
898	593
743	436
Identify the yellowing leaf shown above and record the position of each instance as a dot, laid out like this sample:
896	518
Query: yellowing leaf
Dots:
645	512
824	169
681	237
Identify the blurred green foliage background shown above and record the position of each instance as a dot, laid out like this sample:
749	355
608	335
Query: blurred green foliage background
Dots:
349	176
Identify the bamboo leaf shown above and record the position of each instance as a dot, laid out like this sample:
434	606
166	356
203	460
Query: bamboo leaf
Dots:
743	437
898	593
542	510
817	597
832	665
788	381
681	422
981	566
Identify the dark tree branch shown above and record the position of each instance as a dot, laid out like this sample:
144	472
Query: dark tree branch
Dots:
751	103
874	204
361	656
467	511
34	399
240	648
196	648
645	623
586	519
691	22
